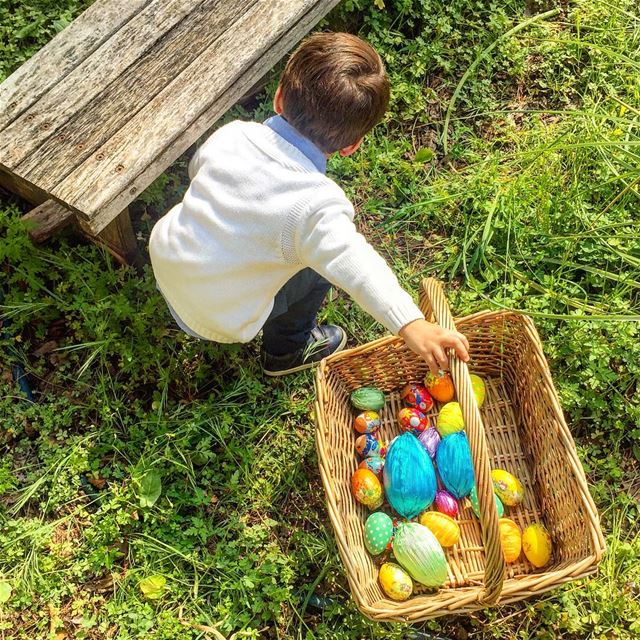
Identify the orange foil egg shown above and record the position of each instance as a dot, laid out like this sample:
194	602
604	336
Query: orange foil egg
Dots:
440	387
366	488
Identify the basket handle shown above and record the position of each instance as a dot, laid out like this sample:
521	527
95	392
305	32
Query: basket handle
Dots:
434	305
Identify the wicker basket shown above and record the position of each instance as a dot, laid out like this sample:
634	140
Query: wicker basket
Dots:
520	428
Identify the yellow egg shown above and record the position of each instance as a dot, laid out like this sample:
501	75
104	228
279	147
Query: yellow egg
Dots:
510	539
450	419
479	390
444	527
536	544
508	488
395	581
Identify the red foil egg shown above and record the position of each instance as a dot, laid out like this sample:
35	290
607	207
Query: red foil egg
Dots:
416	396
446	503
411	419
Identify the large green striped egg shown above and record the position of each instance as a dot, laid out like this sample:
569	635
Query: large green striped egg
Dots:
378	531
418	551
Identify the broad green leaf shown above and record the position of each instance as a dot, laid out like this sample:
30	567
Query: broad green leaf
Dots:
5	592
149	488
424	155
153	587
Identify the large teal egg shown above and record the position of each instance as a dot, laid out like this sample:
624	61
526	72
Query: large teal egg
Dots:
475	505
409	477
453	458
378	531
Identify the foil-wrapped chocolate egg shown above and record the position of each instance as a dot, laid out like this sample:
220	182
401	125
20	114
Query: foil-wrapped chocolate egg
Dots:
411	419
416	396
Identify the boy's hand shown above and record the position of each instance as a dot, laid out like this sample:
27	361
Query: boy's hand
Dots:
431	342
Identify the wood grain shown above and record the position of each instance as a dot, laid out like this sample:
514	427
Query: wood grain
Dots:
51	162
207	87
46	219
62	54
76	90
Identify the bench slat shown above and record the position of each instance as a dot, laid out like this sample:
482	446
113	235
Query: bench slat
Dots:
204	87
140	83
76	90
62	54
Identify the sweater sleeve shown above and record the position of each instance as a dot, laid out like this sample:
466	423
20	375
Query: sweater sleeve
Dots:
328	242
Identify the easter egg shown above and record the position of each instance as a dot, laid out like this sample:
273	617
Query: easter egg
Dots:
368	445
417	396
454	464
373	463
446	503
444	527
440	387
450	419
411	419
367	422
475	505
378	531
510	539
409	476
536	544
366	488
430	439
395	581
508	488
368	398
479	390
419	552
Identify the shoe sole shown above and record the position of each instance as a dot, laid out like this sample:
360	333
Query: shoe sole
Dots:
302	367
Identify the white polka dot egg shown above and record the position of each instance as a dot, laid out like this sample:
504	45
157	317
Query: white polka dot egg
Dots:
378	531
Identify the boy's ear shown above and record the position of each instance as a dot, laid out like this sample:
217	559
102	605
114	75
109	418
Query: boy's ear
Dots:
277	101
352	148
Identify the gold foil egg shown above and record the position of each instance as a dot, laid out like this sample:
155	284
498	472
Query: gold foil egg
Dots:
508	488
395	581
444	527
450	419
510	539
536	544
479	390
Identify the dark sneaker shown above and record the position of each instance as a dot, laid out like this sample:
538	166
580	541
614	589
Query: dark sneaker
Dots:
324	340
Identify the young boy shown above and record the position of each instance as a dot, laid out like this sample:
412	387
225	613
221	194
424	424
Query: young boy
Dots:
262	233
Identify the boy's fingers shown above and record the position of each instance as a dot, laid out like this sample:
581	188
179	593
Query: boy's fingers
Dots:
464	340
461	350
441	358
433	367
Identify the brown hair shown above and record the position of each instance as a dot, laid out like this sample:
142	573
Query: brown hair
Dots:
334	89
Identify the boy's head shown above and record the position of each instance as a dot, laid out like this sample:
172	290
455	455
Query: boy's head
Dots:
333	90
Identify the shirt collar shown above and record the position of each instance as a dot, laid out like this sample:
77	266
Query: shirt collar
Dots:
295	138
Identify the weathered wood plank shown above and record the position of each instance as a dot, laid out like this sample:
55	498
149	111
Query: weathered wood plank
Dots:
21	188
79	87
62	54
46	219
203	88
49	163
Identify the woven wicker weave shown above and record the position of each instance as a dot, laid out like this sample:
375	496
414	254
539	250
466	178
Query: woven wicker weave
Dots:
520	428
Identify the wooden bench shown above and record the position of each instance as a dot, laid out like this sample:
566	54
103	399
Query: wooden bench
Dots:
104	108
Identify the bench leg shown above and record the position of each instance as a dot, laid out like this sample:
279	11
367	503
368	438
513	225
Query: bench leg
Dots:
46	219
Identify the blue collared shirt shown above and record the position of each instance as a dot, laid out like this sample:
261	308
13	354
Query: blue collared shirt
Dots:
295	138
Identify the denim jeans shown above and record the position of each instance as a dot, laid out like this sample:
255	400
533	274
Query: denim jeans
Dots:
295	308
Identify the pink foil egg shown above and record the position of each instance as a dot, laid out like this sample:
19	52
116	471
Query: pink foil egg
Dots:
416	396
430	439
411	419
373	463
446	503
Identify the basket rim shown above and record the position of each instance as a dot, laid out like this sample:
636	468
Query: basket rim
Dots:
513	588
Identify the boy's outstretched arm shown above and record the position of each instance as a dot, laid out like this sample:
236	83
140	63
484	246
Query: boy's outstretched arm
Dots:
431	343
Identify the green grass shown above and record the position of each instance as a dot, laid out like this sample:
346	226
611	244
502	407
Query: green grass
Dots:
508	166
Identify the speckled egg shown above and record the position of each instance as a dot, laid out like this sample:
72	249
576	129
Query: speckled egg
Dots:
411	419
508	487
430	439
444	527
446	503
367	422
368	445
510	539
536	544
366	488
395	581
378	531
373	463
417	396
475	505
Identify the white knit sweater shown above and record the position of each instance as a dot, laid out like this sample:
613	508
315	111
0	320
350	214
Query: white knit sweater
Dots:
257	211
